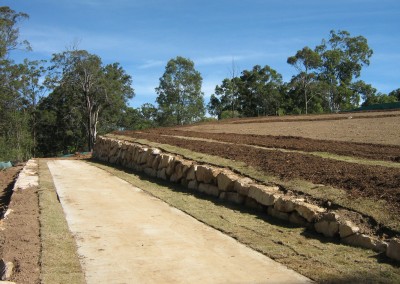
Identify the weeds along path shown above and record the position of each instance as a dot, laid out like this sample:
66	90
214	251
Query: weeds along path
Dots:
124	235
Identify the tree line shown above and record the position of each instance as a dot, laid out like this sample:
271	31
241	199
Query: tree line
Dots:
59	106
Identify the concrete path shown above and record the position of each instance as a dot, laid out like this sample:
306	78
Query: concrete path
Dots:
127	236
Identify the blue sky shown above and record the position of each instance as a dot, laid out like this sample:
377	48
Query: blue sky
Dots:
144	35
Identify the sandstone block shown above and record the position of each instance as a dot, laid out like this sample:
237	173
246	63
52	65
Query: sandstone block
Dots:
277	214
184	182
191	174
193	185
284	204
393	250
209	189
265	195
364	241
253	204
225	181
242	186
295	218
347	229
165	160
149	160
156	162
161	174
6	270
308	211
171	166
327	228
233	197
206	174
150	172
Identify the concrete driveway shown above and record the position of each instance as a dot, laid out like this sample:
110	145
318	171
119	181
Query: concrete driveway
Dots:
124	235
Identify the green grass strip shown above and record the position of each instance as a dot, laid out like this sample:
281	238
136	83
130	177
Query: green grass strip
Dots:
59	259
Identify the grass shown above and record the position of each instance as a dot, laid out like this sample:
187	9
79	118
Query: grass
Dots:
375	209
59	260
301	250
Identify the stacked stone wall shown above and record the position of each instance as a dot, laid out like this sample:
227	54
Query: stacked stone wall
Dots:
231	187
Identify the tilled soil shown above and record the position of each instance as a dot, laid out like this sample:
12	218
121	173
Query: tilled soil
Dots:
360	150
375	182
19	235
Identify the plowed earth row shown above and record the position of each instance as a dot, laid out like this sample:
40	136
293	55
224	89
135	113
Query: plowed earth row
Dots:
376	182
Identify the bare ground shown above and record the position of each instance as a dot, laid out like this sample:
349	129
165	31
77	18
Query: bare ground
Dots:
20	237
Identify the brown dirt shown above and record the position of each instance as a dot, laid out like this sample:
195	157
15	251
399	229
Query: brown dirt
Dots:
375	128
361	150
375	182
19	238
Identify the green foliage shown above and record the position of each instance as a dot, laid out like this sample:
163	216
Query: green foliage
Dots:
18	87
139	118
306	62
99	92
342	57
179	97
229	114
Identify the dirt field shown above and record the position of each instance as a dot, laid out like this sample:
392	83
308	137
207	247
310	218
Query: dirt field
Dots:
374	127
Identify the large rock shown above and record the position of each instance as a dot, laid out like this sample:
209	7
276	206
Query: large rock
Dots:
225	181
285	204
150	172
233	197
165	160
161	174
393	250
295	218
327	228
191	174
209	189
265	195
206	174
242	186
171	166
193	185
277	214
308	211
347	229
6	270
364	241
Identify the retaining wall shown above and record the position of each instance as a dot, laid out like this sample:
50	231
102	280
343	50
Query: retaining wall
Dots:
226	185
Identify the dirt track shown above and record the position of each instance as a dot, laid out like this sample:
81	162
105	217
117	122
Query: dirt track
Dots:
144	240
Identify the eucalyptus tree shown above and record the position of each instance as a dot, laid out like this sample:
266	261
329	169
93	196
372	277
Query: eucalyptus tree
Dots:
98	90
306	62
180	100
260	91
343	58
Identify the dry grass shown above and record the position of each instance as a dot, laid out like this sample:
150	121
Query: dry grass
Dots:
59	260
375	209
304	251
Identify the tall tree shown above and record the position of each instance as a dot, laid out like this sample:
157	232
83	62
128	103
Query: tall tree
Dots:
225	98
98	89
343	58
306	62
15	136
260	91
180	99
9	31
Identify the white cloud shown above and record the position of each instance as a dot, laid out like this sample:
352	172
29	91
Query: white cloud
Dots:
151	63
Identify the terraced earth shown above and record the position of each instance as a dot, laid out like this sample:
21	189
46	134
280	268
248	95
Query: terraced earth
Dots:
347	160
